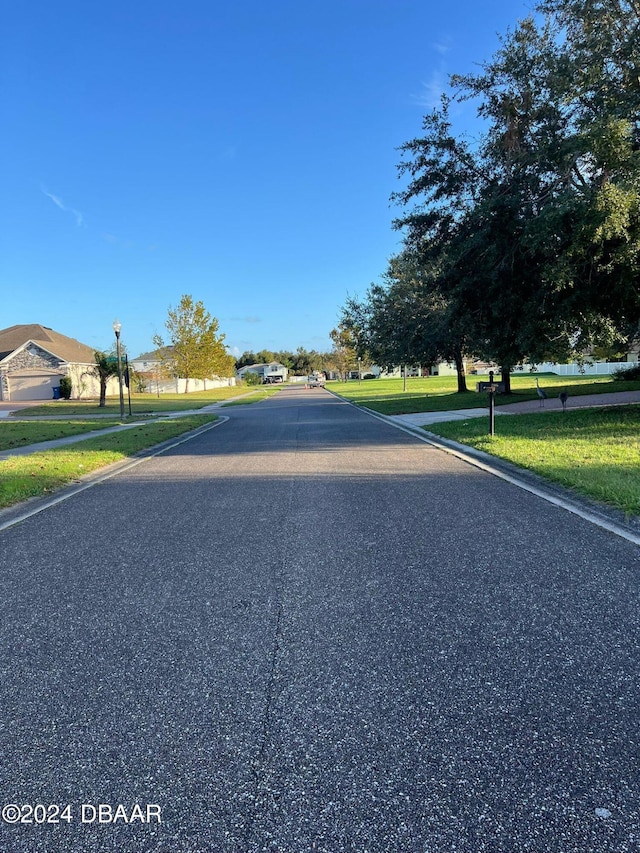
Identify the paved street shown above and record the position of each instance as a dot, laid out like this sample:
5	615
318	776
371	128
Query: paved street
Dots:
306	630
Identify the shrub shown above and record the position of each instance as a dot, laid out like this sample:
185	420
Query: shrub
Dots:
628	373
139	381
66	387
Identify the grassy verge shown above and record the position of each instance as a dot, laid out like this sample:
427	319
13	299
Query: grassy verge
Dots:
141	404
438	393
41	473
21	434
594	451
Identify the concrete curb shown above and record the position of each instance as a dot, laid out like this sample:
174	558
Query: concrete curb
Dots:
597	514
43	446
17	513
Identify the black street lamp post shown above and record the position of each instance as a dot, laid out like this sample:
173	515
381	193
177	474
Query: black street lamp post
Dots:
117	325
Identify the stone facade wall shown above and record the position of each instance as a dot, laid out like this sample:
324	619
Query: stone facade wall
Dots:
34	357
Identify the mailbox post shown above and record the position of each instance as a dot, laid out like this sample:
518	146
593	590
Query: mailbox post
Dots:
492	404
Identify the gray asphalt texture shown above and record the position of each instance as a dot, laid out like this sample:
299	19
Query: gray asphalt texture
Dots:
306	630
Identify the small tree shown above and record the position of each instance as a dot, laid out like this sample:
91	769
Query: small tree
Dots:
106	367
344	352
137	381
251	377
196	349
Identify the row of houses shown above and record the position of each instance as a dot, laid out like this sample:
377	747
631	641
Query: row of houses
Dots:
276	372
34	358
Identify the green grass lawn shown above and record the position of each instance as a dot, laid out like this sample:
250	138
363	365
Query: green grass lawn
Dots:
20	434
41	473
594	451
141	404
438	393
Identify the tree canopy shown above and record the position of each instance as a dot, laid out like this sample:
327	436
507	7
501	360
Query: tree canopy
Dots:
301	362
524	244
195	349
407	319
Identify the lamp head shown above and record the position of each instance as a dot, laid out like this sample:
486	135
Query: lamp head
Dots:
117	325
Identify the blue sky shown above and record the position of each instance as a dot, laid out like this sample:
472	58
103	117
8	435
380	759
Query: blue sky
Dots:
242	152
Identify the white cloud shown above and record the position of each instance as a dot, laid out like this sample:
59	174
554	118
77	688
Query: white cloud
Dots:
432	90
442	47
437	84
59	203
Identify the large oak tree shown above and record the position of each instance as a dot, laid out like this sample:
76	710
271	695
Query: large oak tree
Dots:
537	229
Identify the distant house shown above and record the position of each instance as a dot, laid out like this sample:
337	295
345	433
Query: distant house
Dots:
268	373
154	377
33	359
150	374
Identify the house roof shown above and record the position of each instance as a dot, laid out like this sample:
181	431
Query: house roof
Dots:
263	364
154	355
67	349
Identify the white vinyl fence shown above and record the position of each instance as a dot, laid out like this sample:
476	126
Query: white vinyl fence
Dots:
177	386
596	368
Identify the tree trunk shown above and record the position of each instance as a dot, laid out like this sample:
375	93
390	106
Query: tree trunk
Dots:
103	391
505	375
462	379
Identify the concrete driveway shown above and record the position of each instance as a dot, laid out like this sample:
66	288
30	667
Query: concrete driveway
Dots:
6	408
306	630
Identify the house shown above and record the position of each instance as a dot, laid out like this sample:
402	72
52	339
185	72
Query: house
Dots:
152	375
33	359
268	373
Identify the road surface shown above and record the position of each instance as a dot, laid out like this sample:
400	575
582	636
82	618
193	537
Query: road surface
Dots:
306	630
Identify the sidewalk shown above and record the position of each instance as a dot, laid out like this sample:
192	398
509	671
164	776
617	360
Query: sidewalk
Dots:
72	439
551	404
41	446
418	419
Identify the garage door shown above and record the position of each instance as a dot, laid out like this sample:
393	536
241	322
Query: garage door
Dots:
32	386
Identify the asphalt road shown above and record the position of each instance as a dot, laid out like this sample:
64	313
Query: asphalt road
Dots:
306	630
